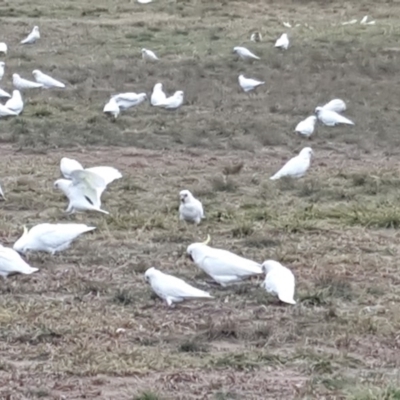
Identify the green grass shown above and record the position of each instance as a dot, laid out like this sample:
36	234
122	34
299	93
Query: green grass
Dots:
87	325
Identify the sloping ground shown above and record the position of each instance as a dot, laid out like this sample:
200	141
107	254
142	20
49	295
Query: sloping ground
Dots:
59	326
87	325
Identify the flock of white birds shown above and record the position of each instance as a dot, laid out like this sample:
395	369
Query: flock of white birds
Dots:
84	187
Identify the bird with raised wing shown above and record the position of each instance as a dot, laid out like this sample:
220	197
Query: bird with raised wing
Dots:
190	209
69	165
50	238
279	281
297	166
222	266
32	37
83	191
172	289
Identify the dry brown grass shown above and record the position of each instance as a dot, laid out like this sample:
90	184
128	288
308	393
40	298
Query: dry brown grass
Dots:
336	228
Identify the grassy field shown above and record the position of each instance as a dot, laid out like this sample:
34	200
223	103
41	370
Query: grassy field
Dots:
87	326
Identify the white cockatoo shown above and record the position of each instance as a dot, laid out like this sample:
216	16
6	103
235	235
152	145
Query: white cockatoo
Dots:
331	118
279	281
149	55
50	238
112	108
336	105
248	84
3	93
287	24
32	37
172	289
307	126
297	166
222	266
12	263
21	83
144	1
83	191
190	209
351	22
5	112
3	48
173	102
16	103
2	67
69	165
282	42
47	81
158	96
128	100
244	54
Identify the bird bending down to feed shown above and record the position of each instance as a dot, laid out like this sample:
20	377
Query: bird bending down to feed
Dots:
172	289
222	266
279	281
50	238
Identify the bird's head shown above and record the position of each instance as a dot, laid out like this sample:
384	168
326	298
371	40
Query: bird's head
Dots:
15	77
62	184
2	64
268	265
158	86
36	73
235	49
20	244
185	196
149	274
306	152
195	250
318	110
36	28
179	94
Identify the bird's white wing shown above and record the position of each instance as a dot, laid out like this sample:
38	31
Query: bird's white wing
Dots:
174	287
224	263
67	165
53	235
48	81
336	105
88	184
292	167
108	174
